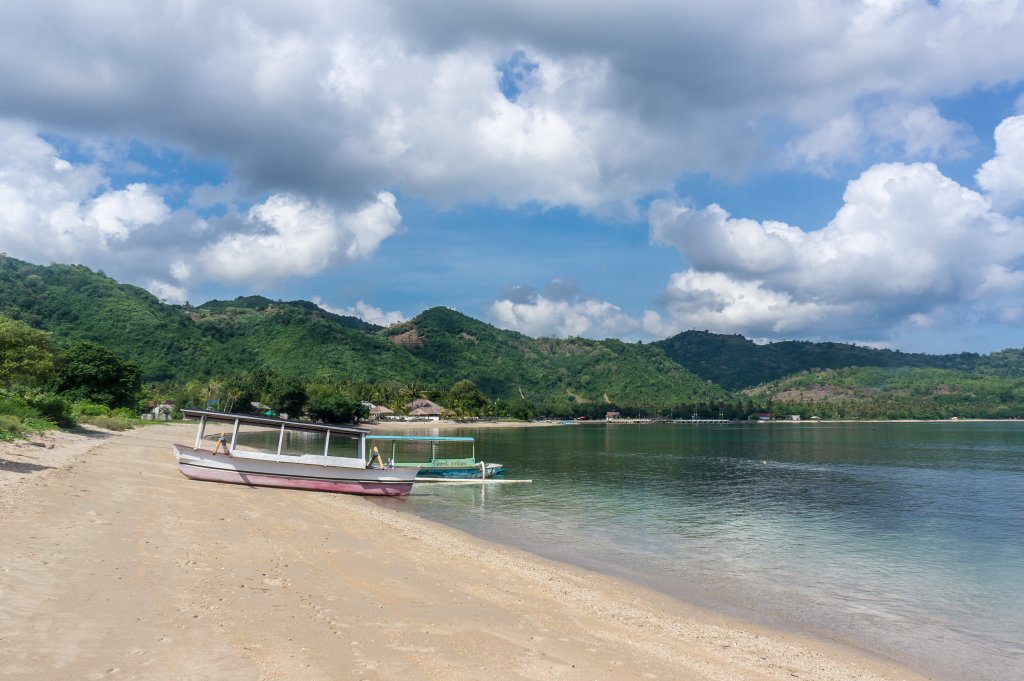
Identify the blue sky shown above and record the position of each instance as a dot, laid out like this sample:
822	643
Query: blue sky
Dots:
829	170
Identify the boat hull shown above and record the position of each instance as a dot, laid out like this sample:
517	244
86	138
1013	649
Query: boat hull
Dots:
202	464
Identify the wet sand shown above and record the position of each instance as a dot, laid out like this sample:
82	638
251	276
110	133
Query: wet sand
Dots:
115	566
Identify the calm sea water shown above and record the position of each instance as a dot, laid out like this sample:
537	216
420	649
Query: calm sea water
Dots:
903	539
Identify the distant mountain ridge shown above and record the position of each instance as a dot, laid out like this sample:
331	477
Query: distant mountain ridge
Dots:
566	371
261	303
440	347
895	393
734	362
75	303
299	339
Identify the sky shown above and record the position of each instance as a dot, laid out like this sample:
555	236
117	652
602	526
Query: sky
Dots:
828	170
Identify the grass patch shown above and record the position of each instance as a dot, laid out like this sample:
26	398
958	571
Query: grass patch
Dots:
109	422
10	427
18	419
14	427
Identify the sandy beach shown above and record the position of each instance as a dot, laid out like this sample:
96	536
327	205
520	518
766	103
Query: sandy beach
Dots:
115	566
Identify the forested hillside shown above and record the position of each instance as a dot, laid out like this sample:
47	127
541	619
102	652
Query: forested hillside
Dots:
288	353
735	362
298	341
556	373
879	393
75	303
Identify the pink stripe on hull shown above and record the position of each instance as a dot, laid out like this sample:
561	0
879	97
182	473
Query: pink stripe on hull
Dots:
368	487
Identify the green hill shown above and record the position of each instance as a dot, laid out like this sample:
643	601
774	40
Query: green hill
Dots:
735	362
75	303
567	371
298	340
906	392
261	303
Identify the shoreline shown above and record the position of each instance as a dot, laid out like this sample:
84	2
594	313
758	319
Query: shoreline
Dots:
447	424
121	567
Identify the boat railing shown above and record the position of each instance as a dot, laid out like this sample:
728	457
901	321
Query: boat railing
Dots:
349	442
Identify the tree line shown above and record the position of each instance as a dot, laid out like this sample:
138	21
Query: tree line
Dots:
44	383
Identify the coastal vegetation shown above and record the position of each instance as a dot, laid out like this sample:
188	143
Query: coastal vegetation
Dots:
77	345
735	362
903	393
44	385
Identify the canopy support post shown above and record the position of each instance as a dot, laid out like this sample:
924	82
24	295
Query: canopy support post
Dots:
199	433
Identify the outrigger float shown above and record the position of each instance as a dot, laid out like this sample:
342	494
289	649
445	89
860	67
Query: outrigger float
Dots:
272	452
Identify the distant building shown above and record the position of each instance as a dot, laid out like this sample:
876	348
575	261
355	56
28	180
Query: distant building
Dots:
378	411
612	415
426	409
763	416
793	417
159	412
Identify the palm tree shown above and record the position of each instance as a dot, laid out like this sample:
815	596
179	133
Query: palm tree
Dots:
391	395
213	389
413	390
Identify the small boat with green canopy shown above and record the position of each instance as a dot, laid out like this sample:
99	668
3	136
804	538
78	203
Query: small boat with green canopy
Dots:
436	457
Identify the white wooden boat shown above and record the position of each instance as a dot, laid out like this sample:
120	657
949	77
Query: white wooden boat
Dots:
270	452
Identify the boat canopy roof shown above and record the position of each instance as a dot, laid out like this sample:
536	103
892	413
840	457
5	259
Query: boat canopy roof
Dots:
269	421
424	438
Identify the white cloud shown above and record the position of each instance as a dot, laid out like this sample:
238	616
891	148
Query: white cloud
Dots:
52	209
909	249
712	240
906	242
117	214
894	129
842	137
1003	176
180	270
167	292
713	300
336	101
369	226
55	210
542	316
922	131
365	311
290	236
